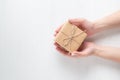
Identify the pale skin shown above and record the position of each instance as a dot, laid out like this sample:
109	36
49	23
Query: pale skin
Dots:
90	48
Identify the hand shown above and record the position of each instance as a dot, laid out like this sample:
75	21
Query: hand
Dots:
87	47
83	24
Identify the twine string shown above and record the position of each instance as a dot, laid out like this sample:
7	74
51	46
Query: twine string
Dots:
68	41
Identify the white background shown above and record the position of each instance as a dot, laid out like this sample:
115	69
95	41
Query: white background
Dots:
26	40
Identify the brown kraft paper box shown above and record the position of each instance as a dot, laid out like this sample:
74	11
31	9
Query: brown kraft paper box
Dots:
70	37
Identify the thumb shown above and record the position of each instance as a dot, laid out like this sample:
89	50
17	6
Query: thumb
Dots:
77	53
76	21
85	52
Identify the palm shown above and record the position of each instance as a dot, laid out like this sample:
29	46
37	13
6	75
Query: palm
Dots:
86	50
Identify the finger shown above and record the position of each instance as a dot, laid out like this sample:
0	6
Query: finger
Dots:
76	53
58	29
77	22
62	51
59	47
85	52
55	34
56	44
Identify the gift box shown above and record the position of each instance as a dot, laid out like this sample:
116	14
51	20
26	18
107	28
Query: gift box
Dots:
70	37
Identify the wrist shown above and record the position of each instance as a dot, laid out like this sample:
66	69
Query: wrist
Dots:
98	50
99	26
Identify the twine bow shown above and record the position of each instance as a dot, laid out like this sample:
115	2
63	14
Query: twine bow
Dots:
67	41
